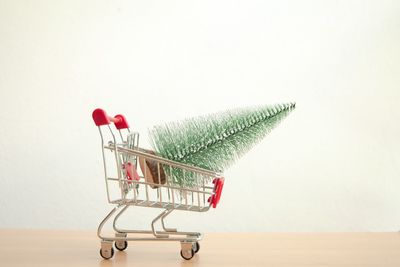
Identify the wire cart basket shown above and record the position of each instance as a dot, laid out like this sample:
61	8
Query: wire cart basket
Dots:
149	186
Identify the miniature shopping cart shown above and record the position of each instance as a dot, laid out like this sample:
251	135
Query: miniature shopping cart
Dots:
127	185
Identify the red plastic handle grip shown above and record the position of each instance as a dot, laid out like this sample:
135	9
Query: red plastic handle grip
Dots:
120	122
218	185
100	118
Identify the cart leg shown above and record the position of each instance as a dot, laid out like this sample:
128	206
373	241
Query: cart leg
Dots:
116	229
104	222
163	225
153	228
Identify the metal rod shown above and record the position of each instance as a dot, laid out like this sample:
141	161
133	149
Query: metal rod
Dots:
140	152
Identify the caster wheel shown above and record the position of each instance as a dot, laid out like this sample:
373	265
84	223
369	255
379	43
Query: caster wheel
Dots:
187	254
107	254
121	245
196	247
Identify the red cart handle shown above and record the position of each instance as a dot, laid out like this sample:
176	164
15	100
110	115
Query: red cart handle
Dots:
218	185
100	118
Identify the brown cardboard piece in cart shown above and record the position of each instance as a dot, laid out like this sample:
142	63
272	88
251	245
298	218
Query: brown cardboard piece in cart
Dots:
150	170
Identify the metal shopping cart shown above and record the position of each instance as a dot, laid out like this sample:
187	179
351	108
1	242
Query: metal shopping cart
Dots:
148	186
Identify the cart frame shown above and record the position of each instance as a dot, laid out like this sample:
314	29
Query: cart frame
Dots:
134	189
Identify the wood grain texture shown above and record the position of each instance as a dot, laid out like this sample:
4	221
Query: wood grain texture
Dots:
80	248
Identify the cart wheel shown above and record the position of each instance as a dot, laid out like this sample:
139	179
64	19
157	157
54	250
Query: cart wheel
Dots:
107	254
121	245
187	254
196	247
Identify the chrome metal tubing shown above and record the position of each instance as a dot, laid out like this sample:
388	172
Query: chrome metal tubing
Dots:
157	235
117	217
104	221
163	225
140	152
138	189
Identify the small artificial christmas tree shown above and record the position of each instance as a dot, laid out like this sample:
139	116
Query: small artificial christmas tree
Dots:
215	141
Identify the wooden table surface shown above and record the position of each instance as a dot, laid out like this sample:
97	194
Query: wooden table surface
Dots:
80	248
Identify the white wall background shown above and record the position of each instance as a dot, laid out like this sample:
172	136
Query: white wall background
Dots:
332	165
